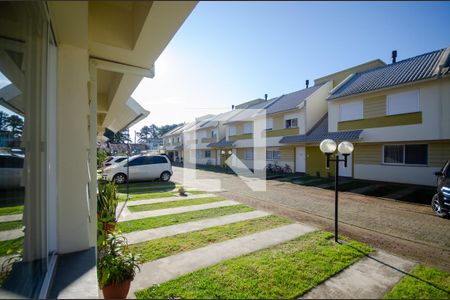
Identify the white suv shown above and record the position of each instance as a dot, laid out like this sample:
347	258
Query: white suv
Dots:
141	167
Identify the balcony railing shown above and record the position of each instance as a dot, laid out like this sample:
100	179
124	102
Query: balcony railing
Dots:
244	136
282	132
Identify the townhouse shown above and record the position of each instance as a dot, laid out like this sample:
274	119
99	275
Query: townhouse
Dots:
173	143
402	113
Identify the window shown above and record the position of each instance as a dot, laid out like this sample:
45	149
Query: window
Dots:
248	127
138	161
402	103
248	154
351	111
291	123
120	159
213	133
273	154
269	124
406	154
232	130
207	153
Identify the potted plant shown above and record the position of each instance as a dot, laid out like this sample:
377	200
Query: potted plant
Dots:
182	192
107	202
116	267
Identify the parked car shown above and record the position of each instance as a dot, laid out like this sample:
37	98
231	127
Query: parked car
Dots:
114	160
11	169
140	167
441	201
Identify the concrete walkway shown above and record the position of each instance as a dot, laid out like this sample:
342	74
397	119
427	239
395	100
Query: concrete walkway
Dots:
370	278
168	268
168	199
128	216
156	233
11	234
9	218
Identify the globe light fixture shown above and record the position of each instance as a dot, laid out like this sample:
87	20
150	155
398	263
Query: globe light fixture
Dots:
328	146
222	152
345	148
229	152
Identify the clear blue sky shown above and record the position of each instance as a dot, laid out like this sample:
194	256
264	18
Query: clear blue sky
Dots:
231	52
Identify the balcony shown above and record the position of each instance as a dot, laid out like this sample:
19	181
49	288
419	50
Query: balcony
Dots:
244	136
282	132
208	140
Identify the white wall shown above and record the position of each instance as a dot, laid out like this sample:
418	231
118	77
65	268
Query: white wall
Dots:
402	174
316	106
433	98
74	217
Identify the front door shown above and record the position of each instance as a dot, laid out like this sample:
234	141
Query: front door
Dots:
300	159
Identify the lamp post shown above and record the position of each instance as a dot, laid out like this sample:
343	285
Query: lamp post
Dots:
345	148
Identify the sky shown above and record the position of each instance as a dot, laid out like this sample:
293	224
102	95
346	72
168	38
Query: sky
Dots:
227	53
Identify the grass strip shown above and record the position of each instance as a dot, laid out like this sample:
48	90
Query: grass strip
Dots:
155	222
171	245
141	196
11	210
422	283
171	204
148	184
287	270
10	225
11	245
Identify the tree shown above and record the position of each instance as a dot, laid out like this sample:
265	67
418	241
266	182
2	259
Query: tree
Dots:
16	124
120	137
3	120
166	128
148	132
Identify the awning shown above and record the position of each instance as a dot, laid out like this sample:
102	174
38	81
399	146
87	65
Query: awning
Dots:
221	144
350	135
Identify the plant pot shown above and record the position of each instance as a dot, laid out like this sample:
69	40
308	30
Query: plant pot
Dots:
117	291
109	227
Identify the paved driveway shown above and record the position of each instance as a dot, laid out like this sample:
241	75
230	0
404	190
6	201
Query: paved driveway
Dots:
404	228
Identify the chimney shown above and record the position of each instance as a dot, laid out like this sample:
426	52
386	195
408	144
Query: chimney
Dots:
394	56
265	97
307	83
232	107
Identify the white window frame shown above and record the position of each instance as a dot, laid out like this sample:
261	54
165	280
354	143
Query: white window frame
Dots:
270	154
248	154
291	121
231	130
413	95
356	114
248	127
404	155
269	123
207	151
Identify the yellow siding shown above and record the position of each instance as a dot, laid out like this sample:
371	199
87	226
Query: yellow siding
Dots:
367	154
316	163
278	122
287	154
282	132
375	107
386	121
438	153
245	136
239	128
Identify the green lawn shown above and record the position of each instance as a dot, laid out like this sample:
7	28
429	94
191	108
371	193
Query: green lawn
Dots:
10	225
148	184
154	222
11	210
424	283
283	271
167	246
141	196
13	245
171	204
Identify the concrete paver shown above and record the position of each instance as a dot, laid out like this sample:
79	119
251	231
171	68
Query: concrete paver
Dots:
151	234
168	268
11	234
168	199
128	216
9	218
369	278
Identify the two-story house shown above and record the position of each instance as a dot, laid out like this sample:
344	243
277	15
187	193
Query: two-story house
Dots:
402	113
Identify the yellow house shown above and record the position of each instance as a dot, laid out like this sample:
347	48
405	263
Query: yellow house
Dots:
68	70
402	112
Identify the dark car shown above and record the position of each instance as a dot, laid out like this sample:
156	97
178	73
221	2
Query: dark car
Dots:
441	201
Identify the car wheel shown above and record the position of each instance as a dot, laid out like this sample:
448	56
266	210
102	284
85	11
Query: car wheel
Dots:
436	206
165	176
120	178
